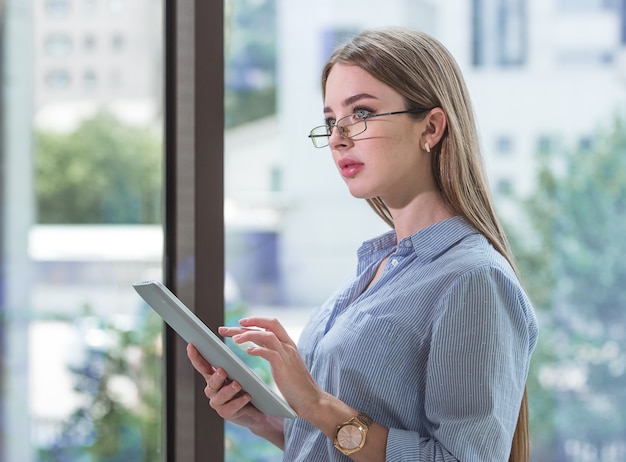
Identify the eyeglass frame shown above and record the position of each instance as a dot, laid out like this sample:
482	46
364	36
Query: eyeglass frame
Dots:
363	119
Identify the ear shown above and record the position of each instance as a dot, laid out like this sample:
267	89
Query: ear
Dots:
435	124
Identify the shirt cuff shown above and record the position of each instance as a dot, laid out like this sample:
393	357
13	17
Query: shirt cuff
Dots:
402	445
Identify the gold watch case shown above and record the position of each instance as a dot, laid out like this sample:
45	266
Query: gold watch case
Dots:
350	436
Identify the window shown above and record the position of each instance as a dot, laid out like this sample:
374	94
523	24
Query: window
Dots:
505	147
58	45
90	7
58	79
90	81
116	7
571	269
81	371
117	42
499	33
586	143
57	8
585	59
59	290
588	5
504	186
331	37
546	143
89	43
115	79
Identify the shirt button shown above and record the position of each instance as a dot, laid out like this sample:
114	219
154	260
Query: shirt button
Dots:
407	243
394	262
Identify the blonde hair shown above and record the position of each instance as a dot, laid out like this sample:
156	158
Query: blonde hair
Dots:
424	72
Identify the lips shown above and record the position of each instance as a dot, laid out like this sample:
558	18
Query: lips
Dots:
349	167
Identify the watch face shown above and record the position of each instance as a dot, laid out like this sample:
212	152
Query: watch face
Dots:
349	437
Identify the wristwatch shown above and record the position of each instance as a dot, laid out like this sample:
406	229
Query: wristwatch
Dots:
350	436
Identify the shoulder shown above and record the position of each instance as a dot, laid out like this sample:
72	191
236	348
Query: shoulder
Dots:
474	255
483	283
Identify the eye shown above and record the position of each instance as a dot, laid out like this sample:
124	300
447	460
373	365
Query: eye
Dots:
330	123
361	113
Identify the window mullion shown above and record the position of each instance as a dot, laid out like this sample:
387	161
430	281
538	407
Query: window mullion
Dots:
194	128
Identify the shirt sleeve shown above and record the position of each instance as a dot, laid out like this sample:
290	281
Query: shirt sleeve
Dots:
477	370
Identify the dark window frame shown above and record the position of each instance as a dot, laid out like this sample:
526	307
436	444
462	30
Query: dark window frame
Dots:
194	197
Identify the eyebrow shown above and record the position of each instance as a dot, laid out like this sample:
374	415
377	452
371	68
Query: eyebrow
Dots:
351	100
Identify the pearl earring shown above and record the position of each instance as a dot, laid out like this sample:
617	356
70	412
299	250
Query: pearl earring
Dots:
427	147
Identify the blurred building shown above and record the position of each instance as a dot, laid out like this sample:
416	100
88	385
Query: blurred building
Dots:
90	54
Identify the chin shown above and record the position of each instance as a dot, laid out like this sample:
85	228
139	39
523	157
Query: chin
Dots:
354	192
360	195
360	192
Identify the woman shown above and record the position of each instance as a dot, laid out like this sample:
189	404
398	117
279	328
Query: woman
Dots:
425	354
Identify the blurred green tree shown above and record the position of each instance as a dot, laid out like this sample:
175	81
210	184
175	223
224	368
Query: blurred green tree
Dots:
120	417
575	271
103	172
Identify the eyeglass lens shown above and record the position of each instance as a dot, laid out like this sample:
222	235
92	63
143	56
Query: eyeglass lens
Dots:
346	126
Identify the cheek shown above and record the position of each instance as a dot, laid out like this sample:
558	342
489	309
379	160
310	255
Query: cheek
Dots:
405	153
402	137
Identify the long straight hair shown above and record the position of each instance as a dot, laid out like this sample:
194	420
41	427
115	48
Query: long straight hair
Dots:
423	71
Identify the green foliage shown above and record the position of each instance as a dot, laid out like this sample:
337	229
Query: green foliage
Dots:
242	107
575	272
110	427
107	428
103	172
242	445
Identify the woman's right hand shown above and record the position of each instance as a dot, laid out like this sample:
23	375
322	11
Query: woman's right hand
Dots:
233	404
225	396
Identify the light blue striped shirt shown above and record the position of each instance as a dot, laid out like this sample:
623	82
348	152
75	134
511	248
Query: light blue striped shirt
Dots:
437	350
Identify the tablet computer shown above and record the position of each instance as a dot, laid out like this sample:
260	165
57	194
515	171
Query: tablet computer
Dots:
215	351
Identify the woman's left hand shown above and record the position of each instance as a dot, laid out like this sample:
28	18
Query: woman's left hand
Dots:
288	368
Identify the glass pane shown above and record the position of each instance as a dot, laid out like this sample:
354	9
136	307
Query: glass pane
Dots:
81	221
554	156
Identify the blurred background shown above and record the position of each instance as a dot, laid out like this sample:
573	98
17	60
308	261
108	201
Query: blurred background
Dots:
81	165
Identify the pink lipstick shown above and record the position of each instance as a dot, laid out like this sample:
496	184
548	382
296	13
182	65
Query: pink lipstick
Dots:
349	168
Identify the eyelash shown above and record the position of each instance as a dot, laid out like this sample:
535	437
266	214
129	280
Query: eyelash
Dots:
367	110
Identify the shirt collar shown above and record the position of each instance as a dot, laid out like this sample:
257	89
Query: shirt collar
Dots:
427	243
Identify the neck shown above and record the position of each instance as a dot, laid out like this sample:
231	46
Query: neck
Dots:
425	210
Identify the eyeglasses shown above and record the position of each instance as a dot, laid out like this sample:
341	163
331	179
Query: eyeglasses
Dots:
350	126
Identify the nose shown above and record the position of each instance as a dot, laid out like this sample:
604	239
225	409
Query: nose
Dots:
336	139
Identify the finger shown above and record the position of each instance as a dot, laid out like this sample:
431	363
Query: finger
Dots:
199	363
268	324
215	383
264	339
229	331
233	408
226	393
